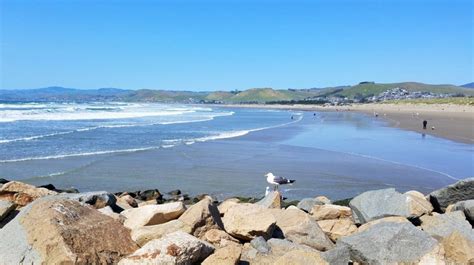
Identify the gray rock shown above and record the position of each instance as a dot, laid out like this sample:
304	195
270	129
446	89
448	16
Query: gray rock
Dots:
98	199
307	204
272	200
443	225
467	207
283	245
260	244
5	208
459	191
301	228
175	248
339	255
389	243
372	205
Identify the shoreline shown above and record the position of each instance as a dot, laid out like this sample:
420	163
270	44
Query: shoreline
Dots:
452	122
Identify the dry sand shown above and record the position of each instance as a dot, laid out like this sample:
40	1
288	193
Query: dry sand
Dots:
454	122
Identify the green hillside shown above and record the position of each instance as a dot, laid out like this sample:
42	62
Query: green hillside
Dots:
265	95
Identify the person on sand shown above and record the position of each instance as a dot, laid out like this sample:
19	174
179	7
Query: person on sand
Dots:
425	122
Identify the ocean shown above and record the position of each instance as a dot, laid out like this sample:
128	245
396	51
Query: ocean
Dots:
221	151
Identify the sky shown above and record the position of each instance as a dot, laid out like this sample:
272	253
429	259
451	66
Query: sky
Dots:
226	45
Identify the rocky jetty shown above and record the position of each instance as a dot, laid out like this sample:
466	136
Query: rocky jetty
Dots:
45	225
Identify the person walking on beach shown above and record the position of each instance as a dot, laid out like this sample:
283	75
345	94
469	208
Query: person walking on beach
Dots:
425	122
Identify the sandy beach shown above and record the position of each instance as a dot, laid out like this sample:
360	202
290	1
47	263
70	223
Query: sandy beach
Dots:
453	122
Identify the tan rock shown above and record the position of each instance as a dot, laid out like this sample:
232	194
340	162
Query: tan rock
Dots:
450	208
55	230
145	234
323	199
109	212
416	194
128	200
458	249
174	248
22	193
272	200
202	217
229	255
143	203
225	205
330	211
390	219
301	257
219	238
247	221
417	204
152	214
299	227
336	228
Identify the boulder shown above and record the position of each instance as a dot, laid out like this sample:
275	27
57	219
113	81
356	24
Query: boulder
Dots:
330	211
301	257
260	244
109	212
22	193
175	192
219	238
323	199
148	195
144	203
174	248
459	191
443	225
390	219
98	199
336	228
297	226
128	200
272	200
152	214
458	249
5	208
145	234
247	221
467	207
307	204
392	243
3	181
417	204
55	230
224	256
377	204
225	205
278	248
339	255
202	217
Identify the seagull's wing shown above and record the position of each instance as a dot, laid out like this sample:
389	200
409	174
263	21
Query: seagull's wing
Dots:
280	180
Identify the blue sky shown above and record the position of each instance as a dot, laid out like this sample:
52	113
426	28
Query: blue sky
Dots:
224	45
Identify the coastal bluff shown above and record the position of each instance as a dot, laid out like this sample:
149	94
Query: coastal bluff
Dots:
46	225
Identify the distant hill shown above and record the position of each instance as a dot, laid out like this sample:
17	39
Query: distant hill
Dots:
62	94
468	85
254	95
369	89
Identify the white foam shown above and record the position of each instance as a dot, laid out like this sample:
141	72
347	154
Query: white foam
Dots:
35	137
79	154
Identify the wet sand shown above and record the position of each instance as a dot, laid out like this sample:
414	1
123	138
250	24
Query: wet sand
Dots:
453	122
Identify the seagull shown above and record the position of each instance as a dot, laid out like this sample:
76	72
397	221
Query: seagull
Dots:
277	181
